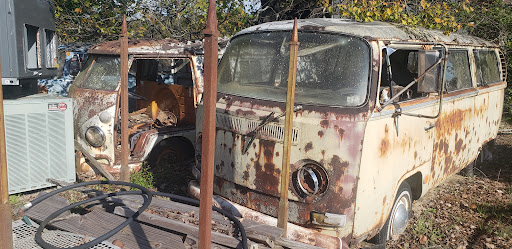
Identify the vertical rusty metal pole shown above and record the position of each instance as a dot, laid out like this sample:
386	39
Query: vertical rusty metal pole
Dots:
211	38
5	207
282	216
125	149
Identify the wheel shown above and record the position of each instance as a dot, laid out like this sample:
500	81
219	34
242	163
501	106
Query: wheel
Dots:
398	218
169	156
468	171
170	164
170	153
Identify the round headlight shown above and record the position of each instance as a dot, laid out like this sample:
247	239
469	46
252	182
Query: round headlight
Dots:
310	179
95	136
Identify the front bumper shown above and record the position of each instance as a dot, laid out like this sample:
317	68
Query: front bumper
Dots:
295	232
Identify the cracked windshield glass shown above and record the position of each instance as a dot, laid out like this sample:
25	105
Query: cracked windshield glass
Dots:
332	70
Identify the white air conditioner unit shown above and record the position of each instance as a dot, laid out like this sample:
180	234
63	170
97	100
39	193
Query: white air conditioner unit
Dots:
39	141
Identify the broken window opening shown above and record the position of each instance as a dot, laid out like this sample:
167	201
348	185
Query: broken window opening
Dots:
405	67
51	49
33	52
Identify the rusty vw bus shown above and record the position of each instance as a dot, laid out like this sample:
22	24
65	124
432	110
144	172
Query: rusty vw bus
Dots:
383	114
166	82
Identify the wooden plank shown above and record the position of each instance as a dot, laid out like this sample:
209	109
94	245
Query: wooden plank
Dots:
135	235
190	230
175	210
271	236
262	233
96	223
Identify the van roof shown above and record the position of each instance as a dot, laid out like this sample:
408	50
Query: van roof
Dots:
167	47
371	31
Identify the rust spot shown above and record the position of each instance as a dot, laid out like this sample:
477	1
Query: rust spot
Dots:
458	145
341	131
320	134
268	174
323	153
384	146
239	112
324	123
277	153
308	147
91	113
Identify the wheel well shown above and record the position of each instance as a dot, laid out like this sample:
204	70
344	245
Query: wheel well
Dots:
415	181
179	142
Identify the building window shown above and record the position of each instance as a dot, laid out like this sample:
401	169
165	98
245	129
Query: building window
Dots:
51	49
33	47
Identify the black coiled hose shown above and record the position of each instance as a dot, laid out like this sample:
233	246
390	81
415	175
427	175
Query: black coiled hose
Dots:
147	200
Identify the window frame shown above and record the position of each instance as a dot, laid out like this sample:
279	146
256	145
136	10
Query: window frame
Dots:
477	67
50	49
30	42
470	69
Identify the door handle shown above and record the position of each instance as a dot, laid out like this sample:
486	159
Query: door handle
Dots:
429	126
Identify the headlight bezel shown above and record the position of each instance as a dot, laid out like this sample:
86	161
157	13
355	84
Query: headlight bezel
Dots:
95	136
310	179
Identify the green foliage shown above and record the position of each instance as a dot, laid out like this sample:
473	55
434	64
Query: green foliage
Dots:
94	21
143	177
425	227
14	199
429	14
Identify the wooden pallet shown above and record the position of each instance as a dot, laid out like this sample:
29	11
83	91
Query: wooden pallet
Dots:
177	228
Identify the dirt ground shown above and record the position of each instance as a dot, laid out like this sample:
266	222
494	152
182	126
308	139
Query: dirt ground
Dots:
466	212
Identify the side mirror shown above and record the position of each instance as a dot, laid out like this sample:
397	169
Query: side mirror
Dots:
429	83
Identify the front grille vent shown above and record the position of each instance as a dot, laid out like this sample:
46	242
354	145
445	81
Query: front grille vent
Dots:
242	126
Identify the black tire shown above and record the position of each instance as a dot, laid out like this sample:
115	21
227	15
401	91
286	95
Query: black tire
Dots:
170	153
403	200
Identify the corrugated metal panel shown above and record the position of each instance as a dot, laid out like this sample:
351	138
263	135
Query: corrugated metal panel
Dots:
39	138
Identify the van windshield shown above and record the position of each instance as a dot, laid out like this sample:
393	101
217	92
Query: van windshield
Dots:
104	73
332	70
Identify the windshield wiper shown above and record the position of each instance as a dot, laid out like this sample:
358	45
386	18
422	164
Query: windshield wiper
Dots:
269	118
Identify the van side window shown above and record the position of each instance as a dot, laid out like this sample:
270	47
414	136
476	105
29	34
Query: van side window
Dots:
404	69
487	67
458	75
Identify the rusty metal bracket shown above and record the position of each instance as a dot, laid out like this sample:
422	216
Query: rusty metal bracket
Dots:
93	162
